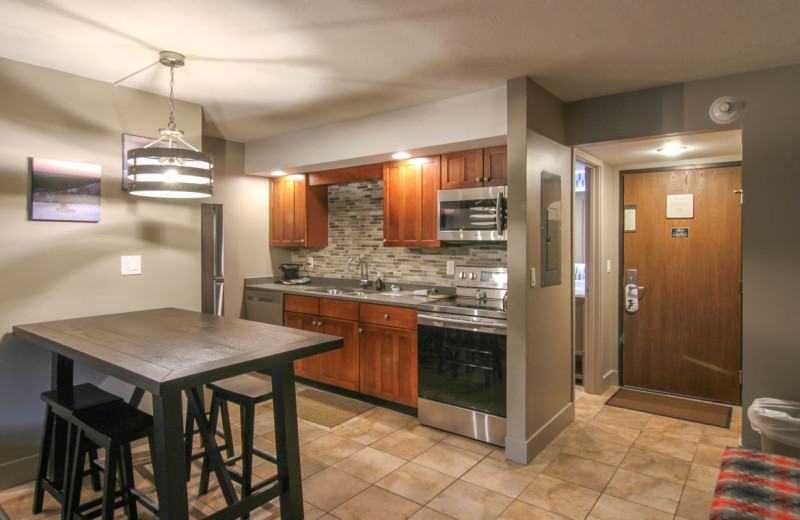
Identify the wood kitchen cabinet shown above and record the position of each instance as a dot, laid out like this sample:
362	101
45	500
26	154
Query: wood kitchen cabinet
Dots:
475	168
409	202
298	213
327	316
389	353
379	356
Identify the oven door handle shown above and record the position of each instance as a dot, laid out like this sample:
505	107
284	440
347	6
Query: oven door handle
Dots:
450	323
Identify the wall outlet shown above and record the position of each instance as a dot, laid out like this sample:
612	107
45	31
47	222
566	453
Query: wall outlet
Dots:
310	262
451	267
131	265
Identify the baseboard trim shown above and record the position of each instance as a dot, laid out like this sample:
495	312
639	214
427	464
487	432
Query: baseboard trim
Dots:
524	451
18	471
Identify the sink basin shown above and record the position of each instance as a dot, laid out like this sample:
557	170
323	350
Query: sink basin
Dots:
329	290
361	293
344	291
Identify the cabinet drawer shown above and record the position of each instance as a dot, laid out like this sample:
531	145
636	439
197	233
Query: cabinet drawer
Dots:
302	304
389	316
338	309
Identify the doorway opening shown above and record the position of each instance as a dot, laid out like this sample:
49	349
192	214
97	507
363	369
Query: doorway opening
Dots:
605	276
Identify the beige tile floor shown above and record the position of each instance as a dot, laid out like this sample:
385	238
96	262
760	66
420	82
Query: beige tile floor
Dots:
609	464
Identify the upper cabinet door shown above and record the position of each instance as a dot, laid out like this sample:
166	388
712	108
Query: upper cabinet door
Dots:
409	202
298	214
462	169
495	166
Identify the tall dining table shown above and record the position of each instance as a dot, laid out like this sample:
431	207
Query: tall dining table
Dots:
169	351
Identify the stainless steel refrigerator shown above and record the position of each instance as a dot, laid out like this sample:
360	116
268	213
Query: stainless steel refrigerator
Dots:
212	246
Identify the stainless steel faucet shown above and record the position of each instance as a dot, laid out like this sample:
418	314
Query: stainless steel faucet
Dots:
364	282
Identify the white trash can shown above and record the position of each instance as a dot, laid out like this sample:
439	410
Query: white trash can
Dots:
778	422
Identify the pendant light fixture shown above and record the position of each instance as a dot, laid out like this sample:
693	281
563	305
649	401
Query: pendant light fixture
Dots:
169	171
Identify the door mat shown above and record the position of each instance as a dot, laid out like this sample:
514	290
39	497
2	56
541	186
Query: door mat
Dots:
328	409
675	407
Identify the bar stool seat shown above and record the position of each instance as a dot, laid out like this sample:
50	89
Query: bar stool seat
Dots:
113	427
246	391
61	404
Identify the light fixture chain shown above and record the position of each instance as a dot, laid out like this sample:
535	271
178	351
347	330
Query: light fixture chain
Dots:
171	124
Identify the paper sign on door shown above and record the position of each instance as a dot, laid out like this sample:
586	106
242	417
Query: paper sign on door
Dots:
680	206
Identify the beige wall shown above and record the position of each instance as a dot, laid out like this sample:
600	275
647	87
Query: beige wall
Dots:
54	270
245	204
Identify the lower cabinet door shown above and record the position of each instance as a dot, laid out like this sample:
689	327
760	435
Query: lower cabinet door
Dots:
389	363
307	367
340	367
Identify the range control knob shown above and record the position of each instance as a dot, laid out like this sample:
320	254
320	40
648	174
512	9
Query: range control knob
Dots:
462	275
473	276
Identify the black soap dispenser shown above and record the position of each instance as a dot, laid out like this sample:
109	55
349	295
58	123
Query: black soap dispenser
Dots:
379	283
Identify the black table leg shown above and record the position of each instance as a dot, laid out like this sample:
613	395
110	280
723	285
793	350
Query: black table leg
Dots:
169	466
61	372
208	434
287	442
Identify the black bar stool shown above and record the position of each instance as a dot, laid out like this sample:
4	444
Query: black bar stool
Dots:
112	427
246	391
61	404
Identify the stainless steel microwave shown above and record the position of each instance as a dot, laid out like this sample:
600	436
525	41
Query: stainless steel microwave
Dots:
472	214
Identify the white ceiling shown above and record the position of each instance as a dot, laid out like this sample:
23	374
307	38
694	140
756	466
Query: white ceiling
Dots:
725	144
267	67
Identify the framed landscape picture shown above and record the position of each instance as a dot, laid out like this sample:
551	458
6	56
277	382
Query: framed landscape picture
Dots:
65	191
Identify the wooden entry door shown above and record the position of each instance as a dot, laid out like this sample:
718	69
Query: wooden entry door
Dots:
685	337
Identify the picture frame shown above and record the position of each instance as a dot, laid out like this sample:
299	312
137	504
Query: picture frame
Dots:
64	191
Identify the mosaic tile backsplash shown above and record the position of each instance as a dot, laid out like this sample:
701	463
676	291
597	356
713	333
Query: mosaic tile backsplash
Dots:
355	219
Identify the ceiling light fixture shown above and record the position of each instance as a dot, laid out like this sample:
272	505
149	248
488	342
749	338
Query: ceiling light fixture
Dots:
168	171
401	155
671	149
277	173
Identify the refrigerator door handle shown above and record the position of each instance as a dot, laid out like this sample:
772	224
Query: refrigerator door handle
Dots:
219	302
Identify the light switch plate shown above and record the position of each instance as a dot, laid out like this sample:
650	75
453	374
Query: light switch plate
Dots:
451	267
131	264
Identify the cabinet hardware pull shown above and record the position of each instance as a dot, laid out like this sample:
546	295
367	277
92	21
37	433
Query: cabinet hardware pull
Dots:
360	330
386	316
477	179
486	179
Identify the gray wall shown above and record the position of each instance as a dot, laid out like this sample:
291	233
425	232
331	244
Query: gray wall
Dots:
770	234
540	389
54	270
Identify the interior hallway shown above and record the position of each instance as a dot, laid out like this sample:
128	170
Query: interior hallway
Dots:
610	464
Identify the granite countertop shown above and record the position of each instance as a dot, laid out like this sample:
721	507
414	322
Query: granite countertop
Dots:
318	287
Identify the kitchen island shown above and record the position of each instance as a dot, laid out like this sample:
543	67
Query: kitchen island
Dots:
170	351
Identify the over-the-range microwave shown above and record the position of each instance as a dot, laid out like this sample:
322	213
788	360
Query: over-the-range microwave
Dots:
472	214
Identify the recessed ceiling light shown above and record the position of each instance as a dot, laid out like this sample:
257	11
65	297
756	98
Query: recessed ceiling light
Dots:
401	155
671	149
277	173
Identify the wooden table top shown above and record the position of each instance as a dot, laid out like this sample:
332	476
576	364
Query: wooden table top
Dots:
172	349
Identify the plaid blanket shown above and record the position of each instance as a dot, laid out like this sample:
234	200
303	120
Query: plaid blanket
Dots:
755	485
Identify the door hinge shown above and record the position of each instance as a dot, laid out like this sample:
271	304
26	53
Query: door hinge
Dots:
740	377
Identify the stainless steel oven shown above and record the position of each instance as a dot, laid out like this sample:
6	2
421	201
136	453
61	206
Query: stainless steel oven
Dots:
461	347
472	214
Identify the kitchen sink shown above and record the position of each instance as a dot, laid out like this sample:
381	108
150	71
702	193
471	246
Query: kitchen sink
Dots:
343	291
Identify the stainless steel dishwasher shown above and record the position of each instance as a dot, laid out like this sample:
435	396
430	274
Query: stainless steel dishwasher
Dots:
264	306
